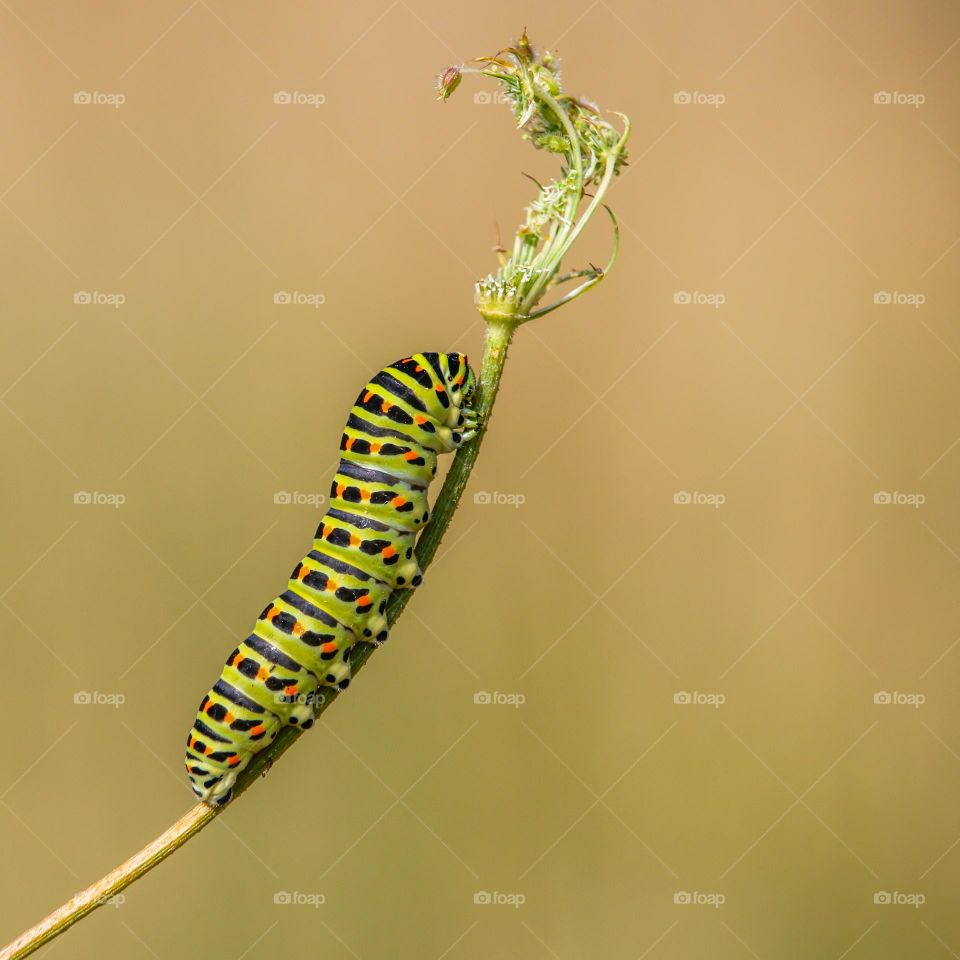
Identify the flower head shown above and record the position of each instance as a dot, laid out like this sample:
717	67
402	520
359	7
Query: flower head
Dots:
592	150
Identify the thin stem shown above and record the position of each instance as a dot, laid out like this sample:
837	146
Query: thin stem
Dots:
491	369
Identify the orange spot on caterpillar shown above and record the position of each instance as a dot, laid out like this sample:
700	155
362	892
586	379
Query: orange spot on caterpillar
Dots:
263	673
329	647
419	421
298	628
290	691
332	585
440	388
364	601
340	489
304	572
375	447
234	760
228	717
364	495
272	612
411	455
398	501
257	730
367	396
385	406
354	540
349	444
389	551
418	369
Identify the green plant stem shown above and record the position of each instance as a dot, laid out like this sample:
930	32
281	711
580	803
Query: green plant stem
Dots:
191	823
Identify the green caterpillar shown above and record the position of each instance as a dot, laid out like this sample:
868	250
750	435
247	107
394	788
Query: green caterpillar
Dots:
405	416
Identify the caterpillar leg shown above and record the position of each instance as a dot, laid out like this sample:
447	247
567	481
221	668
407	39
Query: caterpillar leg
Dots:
339	672
469	424
302	712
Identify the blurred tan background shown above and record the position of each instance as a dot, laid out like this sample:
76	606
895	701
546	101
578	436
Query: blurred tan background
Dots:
778	346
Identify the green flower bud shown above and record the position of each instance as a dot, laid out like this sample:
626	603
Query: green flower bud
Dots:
448	81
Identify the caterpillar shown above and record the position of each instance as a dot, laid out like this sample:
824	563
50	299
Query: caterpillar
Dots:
405	416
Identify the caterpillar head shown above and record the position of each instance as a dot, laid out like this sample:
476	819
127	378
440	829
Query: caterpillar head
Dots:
460	378
469	388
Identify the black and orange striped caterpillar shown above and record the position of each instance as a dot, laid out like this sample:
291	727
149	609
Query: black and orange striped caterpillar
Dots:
405	416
